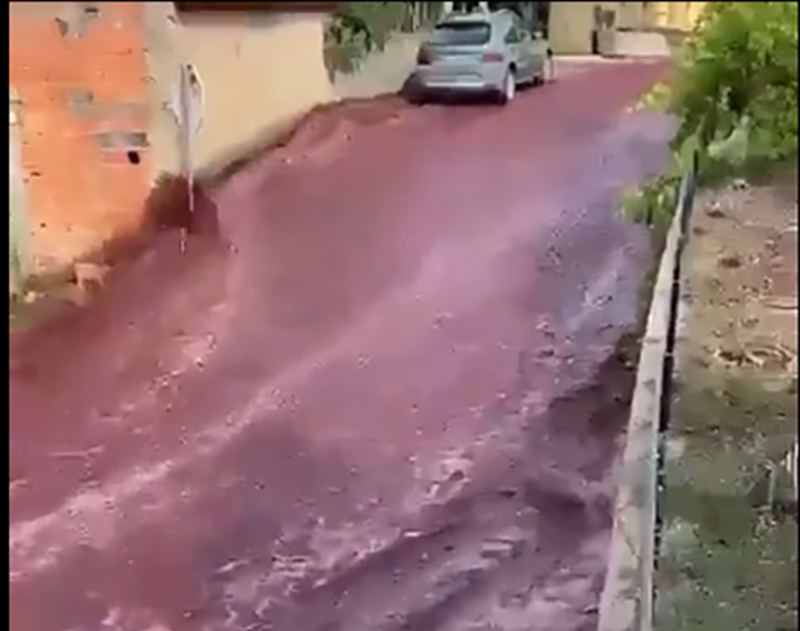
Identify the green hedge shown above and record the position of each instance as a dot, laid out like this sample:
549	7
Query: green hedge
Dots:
735	94
740	74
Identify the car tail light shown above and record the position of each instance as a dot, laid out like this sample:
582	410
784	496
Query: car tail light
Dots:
493	58
423	57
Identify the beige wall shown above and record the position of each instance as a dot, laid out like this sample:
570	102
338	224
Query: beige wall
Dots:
258	72
570	27
571	23
673	15
95	81
96	122
630	15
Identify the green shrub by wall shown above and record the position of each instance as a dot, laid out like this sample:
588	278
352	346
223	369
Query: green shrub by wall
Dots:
735	94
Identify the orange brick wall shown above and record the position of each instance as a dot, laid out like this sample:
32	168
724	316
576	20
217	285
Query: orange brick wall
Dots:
80	71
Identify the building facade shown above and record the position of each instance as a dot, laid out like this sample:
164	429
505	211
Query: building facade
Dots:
574	26
95	109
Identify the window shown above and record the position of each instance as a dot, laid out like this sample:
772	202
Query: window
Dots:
513	36
462	34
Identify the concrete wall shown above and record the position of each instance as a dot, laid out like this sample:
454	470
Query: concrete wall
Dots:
257	73
571	23
382	71
634	44
80	73
95	82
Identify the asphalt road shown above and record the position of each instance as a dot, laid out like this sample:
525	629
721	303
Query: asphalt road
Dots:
385	397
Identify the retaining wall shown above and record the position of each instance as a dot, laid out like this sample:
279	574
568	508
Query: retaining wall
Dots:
627	602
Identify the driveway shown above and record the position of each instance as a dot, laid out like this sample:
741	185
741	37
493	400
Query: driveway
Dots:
387	397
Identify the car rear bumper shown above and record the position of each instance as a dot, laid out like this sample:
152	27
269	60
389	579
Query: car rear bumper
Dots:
434	80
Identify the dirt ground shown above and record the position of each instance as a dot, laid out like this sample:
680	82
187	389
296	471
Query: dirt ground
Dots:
729	559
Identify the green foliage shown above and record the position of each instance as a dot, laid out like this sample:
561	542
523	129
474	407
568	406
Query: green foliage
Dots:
655	201
740	71
358	28
657	98
735	94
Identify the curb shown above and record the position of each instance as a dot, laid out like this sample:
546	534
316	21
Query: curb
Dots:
627	601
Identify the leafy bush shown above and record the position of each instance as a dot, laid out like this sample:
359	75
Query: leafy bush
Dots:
735	94
740	72
358	28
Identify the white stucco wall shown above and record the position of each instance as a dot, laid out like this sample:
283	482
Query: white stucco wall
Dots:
258	73
382	71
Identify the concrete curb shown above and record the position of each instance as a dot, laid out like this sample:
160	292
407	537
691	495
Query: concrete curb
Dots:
626	603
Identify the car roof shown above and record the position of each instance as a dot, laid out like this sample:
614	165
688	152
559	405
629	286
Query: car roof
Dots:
494	17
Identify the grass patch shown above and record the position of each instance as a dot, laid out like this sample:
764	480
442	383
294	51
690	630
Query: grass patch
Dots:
729	559
728	562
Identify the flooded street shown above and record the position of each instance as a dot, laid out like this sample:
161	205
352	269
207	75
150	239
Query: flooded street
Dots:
386	396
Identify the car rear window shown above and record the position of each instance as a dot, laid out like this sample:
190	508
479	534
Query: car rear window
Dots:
462	33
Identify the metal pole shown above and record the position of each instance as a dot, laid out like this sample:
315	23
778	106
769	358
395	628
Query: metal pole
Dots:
185	131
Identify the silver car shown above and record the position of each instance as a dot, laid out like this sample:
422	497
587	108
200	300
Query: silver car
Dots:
481	53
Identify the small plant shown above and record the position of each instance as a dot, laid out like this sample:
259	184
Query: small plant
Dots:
657	98
358	28
654	202
741	64
735	95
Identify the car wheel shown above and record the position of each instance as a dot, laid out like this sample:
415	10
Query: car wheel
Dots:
508	89
418	98
413	93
